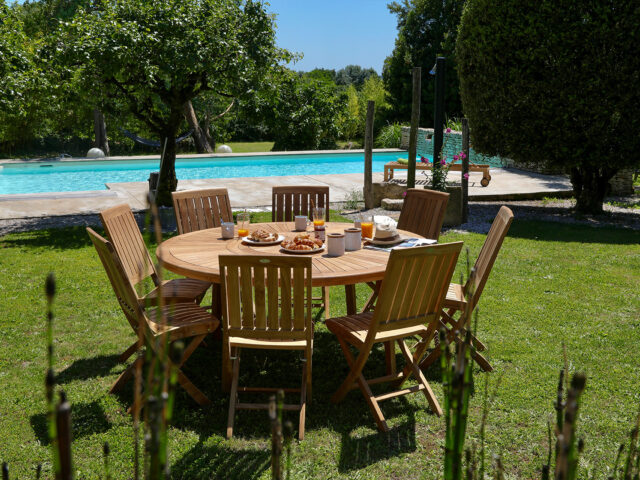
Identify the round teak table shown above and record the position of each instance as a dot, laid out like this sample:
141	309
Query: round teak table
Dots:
195	255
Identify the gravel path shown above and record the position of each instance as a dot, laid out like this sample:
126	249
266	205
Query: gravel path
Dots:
481	215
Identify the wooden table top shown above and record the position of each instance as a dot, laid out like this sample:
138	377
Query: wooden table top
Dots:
195	255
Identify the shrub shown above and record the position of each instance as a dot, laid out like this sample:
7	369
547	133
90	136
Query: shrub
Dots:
549	80
390	136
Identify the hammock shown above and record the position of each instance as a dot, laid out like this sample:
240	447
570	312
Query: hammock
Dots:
152	143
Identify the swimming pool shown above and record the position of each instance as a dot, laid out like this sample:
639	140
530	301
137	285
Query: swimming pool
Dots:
65	176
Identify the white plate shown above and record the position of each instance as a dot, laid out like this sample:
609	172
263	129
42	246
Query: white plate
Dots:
248	241
315	250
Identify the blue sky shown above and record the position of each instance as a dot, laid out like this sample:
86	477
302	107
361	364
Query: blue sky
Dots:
335	33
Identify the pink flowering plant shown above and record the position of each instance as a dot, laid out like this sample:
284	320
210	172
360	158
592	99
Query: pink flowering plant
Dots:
438	176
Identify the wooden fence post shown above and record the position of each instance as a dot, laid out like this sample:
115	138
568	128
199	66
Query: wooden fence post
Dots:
368	156
465	170
415	121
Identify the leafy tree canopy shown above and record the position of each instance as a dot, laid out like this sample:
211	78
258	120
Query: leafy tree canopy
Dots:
554	81
354	75
426	29
157	55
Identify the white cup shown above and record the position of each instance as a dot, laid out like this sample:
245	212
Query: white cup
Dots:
353	238
335	244
228	229
301	222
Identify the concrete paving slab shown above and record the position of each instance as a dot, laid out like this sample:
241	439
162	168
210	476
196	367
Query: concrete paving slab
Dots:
256	191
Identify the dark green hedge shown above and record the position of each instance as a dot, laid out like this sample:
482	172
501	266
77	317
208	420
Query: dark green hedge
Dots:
555	80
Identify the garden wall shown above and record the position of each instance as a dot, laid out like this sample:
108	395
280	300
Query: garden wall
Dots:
452	144
621	183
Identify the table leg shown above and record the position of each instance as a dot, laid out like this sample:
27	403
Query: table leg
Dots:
350	293
390	357
216	309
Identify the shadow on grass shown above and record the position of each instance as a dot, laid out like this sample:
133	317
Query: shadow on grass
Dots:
87	368
213	460
565	232
86	419
52	238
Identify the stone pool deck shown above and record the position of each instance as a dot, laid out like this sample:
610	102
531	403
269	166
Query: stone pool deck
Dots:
506	184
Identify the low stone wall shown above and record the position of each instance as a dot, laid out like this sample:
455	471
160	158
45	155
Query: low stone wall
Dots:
622	182
452	144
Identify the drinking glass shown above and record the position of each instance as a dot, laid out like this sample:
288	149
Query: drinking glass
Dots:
243	220
366	224
318	216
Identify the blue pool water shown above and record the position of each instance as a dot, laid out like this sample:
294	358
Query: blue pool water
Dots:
58	176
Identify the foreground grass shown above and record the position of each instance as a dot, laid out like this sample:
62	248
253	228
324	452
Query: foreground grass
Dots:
552	284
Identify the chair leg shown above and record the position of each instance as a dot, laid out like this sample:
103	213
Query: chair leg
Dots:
325	301
371	302
227	365
345	387
390	357
193	344
364	388
417	355
303	401
193	391
125	376
431	398
482	362
128	352
233	397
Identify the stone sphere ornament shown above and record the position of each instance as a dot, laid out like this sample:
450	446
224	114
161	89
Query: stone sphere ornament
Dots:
224	149
95	153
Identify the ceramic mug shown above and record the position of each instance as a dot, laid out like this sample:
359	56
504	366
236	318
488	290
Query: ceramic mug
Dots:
227	229
335	244
353	238
301	222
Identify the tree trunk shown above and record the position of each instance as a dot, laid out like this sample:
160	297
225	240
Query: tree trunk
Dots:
207	132
167	181
202	144
100	129
590	185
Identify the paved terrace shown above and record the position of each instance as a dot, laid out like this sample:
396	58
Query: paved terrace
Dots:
505	185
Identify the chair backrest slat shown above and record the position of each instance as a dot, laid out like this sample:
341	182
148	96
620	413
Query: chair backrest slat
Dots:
289	201
122	286
423	212
414	286
267	297
488	253
200	209
125	236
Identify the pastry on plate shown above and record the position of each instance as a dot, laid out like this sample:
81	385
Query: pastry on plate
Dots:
262	236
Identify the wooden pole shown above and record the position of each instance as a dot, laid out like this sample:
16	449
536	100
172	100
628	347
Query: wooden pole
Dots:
415	121
368	156
465	170
438	121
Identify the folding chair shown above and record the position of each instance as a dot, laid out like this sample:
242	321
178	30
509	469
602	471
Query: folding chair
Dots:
456	300
409	304
268	306
289	201
125	236
200	209
169	323
423	214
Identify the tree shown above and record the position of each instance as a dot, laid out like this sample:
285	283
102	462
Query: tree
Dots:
426	29
300	113
156	56
354	75
554	81
373	89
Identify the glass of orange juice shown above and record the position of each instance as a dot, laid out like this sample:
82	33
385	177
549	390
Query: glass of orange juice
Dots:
318	223
366	224
243	219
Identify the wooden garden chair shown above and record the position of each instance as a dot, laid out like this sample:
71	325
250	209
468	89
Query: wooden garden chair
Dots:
289	201
160	325
423	214
409	304
124	234
201	209
268	306
459	295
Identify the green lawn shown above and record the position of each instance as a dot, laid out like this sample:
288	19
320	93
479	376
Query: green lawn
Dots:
552	284
249	147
